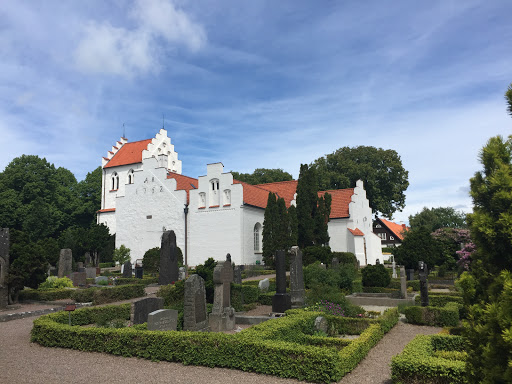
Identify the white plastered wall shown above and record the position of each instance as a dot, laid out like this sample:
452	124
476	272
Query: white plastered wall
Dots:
149	207
251	216
161	145
215	231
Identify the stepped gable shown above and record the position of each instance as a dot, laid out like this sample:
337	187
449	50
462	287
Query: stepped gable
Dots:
183	183
397	229
129	153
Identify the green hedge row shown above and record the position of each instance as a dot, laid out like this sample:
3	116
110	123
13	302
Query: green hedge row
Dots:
283	347
437	300
251	294
132	280
447	316
381	290
110	264
430	359
396	284
46	295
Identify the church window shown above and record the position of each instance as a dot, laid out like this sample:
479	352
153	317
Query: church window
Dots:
115	181
257	237
214	193
382	236
378	226
130	177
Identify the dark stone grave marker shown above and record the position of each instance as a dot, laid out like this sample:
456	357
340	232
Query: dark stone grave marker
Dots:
143	307
195	316
281	301
169	272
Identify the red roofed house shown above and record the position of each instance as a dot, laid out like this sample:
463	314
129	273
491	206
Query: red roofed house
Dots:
144	194
391	234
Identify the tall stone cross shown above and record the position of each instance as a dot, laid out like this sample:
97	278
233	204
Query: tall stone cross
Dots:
222	278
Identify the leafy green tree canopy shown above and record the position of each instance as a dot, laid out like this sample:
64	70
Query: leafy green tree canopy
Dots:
436	218
384	177
262	176
508	97
121	254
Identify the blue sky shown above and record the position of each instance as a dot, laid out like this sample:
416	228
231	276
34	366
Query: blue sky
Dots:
260	84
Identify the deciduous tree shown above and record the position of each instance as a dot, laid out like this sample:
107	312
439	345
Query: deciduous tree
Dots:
436	218
262	176
384	177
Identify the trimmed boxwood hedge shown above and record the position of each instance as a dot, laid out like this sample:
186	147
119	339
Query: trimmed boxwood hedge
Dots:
132	280
447	316
46	295
283	347
430	359
440	300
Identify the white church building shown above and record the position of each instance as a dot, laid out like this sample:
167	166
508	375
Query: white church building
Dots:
145	194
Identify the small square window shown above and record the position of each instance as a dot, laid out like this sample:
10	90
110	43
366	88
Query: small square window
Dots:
149	216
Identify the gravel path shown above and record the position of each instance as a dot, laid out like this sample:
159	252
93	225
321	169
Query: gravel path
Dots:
25	362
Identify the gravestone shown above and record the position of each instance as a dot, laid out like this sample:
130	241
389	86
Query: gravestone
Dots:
222	317
127	269
65	262
410	274
79	279
4	267
335	263
98	279
237	275
163	320
88	260
264	284
195	315
168	259
143	307
297	291
281	301
321	324
377	262
52	271
90	272
80	267
403	283
182	273
139	271
393	265
423	283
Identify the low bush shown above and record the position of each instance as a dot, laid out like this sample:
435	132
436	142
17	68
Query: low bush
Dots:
172	293
109	264
54	282
440	300
447	316
250	295
316	253
375	276
132	280
345	258
430	359
341	278
45	295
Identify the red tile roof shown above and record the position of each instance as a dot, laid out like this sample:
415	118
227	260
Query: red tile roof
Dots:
106	210
284	189
130	153
356	232
341	198
253	194
183	183
397	229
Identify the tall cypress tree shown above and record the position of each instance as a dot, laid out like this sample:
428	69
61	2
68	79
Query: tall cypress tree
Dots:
269	230
307	190
282	235
321	219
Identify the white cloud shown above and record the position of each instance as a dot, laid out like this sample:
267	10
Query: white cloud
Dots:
107	49
161	17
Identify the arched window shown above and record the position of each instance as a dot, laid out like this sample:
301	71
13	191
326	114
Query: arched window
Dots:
214	193
257	237
115	181
130	176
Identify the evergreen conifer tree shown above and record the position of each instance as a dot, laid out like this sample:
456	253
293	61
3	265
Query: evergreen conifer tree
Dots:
282	236
307	199
269	230
321	219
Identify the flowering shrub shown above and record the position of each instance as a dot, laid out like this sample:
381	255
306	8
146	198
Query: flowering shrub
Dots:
54	282
328	307
465	256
